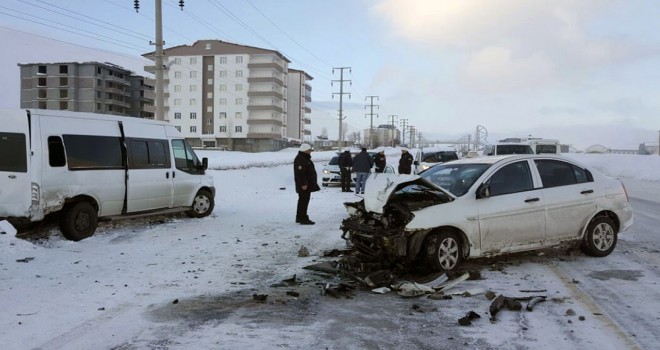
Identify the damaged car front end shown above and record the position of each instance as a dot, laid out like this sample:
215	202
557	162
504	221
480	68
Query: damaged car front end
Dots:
377	225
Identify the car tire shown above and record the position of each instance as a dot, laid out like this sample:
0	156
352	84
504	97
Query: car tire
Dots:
443	251
600	238
79	221
202	204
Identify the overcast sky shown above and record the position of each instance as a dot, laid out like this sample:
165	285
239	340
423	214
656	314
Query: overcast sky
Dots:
583	71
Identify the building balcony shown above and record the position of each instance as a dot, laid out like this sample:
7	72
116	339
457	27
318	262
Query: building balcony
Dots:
262	78
307	110
263	135
307	121
265	122
117	91
268	65
265	93
268	107
308	98
117	103
117	80
307	132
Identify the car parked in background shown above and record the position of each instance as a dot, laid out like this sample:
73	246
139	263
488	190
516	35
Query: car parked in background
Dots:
331	174
487	206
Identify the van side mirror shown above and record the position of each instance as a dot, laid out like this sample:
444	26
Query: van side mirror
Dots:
483	191
205	163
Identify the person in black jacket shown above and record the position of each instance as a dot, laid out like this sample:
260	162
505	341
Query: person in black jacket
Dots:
345	164
405	162
380	161
362	164
306	182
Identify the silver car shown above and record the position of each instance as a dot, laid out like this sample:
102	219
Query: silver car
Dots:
486	206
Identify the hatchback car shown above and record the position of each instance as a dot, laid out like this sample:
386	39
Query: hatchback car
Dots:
331	174
486	206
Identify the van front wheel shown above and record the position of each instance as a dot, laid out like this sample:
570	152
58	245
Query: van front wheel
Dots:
202	205
78	221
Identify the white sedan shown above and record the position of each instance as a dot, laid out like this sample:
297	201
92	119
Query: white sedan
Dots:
486	206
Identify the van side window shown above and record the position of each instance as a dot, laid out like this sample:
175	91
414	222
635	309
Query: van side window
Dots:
56	157
145	154
12	152
185	158
85	152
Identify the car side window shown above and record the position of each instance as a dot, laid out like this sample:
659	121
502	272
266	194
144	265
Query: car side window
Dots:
556	173
511	178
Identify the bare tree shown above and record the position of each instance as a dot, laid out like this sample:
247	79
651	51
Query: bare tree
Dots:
353	138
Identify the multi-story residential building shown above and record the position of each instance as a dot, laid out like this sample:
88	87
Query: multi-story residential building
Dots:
224	94
299	95
383	135
84	87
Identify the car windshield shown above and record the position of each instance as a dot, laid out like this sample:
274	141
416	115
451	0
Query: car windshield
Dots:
334	161
514	149
455	178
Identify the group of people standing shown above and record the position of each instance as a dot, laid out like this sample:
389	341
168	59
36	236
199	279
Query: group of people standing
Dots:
306	179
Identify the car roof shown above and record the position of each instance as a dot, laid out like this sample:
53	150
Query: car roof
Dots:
506	157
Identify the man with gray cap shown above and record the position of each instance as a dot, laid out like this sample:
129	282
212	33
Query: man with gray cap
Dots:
405	162
305	177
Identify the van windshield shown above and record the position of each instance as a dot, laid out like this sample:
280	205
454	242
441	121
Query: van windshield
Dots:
12	152
514	149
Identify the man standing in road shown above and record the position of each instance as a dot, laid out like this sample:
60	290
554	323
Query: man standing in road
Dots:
362	164
306	182
380	161
405	162
345	164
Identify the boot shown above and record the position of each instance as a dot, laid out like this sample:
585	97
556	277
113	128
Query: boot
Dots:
299	219
306	221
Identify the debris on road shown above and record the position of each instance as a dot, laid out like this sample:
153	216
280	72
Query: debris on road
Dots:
25	260
292	293
326	267
533	302
303	252
260	298
381	290
467	319
342	289
380	278
413	289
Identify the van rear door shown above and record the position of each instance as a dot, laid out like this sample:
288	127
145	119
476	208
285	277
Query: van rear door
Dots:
15	188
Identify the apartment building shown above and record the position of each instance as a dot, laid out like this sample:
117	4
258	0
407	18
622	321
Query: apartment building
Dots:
383	135
221	94
298	111
85	87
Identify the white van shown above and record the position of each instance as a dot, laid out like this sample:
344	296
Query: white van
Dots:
88	166
545	146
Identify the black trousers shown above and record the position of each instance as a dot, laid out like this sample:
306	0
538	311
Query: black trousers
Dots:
303	203
345	179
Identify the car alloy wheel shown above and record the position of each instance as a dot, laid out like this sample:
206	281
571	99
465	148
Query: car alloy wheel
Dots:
443	251
600	237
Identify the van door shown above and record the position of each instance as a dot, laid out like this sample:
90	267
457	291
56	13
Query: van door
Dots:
150	182
187	171
15	181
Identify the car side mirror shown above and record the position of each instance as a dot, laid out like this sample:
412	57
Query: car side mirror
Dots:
416	162
205	163
483	191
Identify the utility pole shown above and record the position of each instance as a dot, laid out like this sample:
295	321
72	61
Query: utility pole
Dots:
371	114
341	93
404	123
392	122
412	136
160	67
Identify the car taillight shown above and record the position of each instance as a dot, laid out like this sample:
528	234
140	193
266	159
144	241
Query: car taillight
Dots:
624	190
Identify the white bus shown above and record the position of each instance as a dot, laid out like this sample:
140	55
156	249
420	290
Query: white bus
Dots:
86	166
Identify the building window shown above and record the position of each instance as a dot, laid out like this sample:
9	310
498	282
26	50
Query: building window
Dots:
209	108
193	60
239	101
64	105
193	74
223	101
209	68
193	88
238	115
193	129
223	115
239	73
177	115
223	87
64	81
42	93
193	102
177	102
209	81
223	129
64	69
223	60
98	94
222	74
239	59
64	93
239	87
207	46
42	104
178	128
239	128
177	74
41	82
41	70
177	60
209	121
177	88
193	115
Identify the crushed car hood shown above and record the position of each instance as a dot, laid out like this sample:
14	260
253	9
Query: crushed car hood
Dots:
380	187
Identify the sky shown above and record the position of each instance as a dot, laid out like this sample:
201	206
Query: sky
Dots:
182	283
582	71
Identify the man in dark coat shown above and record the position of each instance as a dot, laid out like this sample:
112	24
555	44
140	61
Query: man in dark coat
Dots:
345	164
380	161
305	177
362	164
405	162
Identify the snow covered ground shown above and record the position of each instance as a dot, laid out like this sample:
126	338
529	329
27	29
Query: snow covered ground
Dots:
182	283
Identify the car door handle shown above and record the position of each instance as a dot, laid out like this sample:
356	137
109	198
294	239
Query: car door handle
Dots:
167	175
532	200
12	176
587	191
